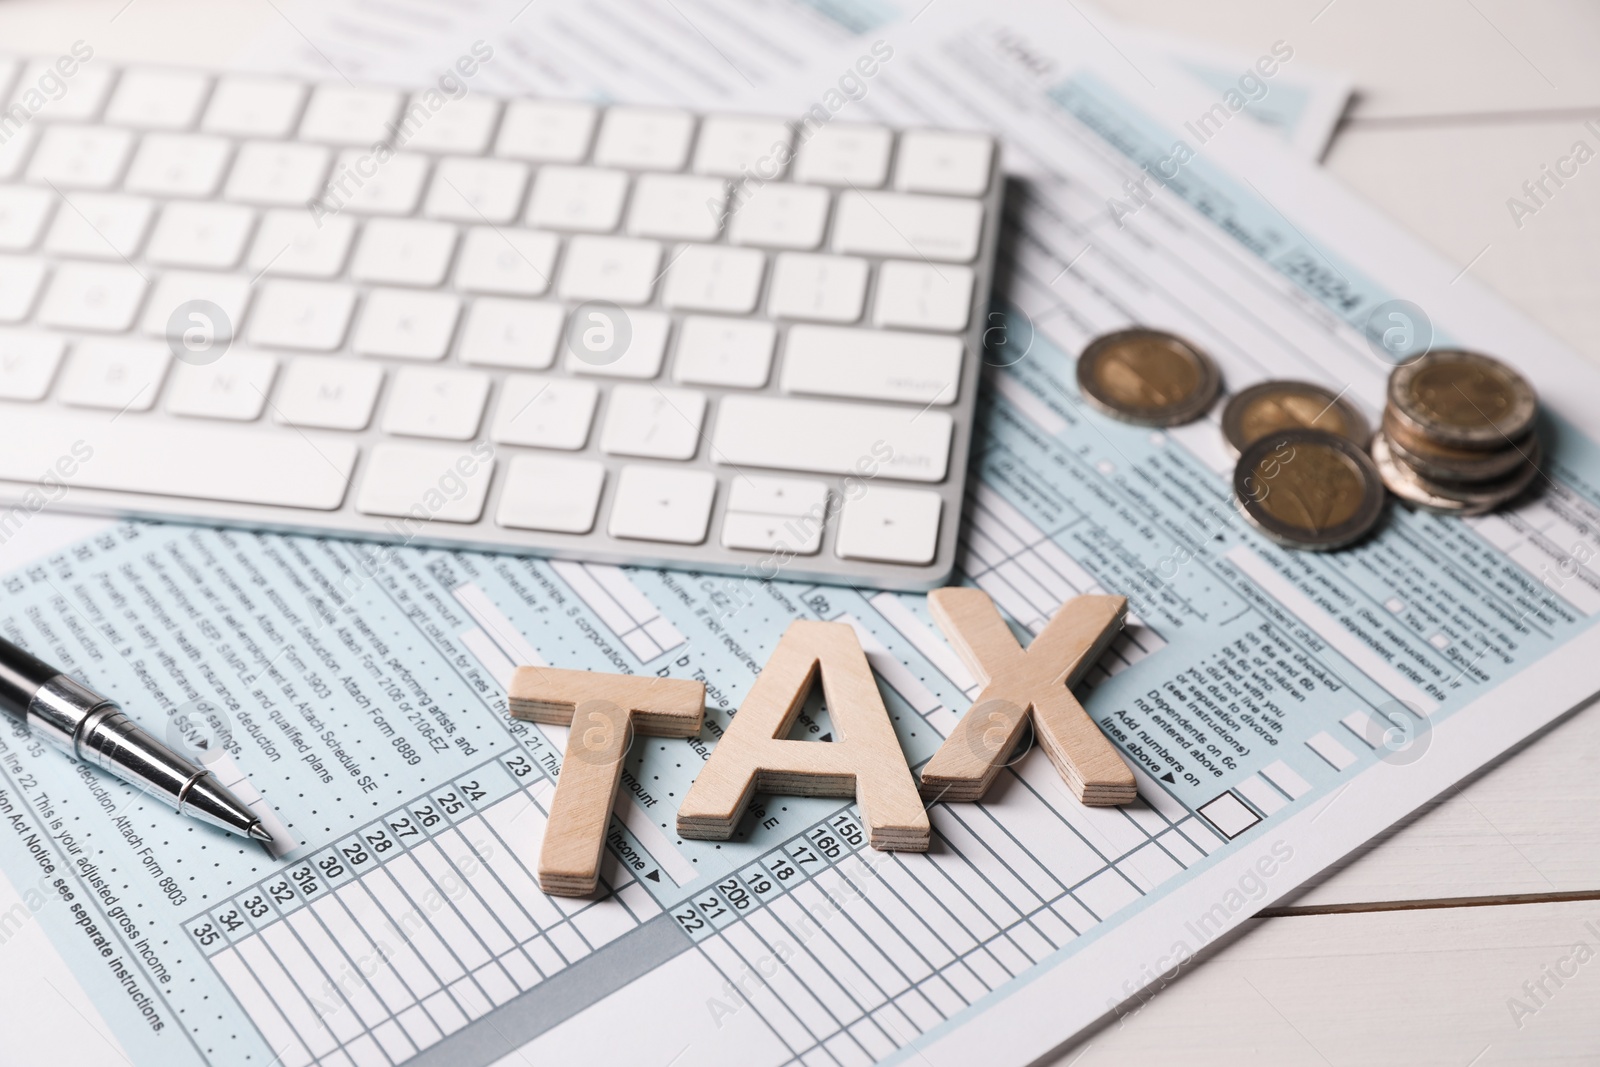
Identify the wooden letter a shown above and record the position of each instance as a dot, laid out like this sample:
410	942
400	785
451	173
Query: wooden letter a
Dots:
1016	683
603	710
863	761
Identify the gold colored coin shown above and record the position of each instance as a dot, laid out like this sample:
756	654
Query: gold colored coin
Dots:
1446	464
1462	400
1148	377
1308	489
1286	405
1447	498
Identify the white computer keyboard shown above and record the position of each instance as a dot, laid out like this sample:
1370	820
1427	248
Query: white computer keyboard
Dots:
519	325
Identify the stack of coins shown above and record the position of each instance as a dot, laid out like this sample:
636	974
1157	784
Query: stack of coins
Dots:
1458	433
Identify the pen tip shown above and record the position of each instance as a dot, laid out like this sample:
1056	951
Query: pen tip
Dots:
259	832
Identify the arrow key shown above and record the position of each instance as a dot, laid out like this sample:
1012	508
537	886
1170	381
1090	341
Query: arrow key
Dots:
801	534
890	526
663	504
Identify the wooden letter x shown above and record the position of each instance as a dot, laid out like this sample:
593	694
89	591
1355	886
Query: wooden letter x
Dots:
1016	683
863	761
602	709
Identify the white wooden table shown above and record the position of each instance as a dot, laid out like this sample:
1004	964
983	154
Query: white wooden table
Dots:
1412	951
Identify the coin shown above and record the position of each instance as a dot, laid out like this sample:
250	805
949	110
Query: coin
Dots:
1308	489
1447	498
1462	399
1445	464
1285	405
1148	377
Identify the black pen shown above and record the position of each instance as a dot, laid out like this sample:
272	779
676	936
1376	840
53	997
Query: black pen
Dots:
89	727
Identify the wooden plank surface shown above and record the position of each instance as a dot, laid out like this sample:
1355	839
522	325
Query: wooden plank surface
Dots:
1403	988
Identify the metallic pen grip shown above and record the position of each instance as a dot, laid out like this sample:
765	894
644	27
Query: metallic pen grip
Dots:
58	710
91	728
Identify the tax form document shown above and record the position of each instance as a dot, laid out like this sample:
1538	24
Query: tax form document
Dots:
708	53
1279	708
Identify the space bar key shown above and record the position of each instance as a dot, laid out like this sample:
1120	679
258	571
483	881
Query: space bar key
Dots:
199	462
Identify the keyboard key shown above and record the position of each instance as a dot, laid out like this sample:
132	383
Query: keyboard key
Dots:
668	504
771	533
230	292
435	402
714	278
344	115
23	213
778	496
546	131
292	244
644	138
173	164
476	190
872	364
305	315
253	107
821	288
100	226
677	206
922	296
410	481
28	362
654	423
152	99
365	187
200	235
80	157
273	173
641	359
908	227
328	394
119	375
941	161
233	388
85	91
732	146
406	325
192	460
541	412
577	198
780	216
462	127
620	269
512	262
832	438
890	525
845	154
732	352
404	252
90	296
551	493
15	149
512	333
20	280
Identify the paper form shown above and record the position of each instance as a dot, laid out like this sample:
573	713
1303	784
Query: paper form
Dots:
704	53
1254	696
